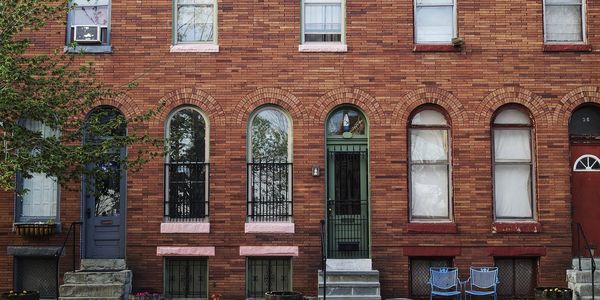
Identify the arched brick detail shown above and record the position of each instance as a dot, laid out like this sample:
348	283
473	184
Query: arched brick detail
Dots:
542	112
429	95
124	103
575	98
194	97
263	96
360	98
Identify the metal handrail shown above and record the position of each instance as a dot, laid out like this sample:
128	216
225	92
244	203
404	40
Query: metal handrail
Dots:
580	234
62	248
323	258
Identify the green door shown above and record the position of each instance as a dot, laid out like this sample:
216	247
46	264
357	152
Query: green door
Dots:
347	185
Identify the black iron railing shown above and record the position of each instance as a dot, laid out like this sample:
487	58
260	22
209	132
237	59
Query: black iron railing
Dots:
587	246
324	256
270	192
186	192
186	277
268	274
348	229
71	232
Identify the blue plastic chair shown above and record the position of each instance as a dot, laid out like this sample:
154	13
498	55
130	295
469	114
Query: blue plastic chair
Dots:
444	282
482	282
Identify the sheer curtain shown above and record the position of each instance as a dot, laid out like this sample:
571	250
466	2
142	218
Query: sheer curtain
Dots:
434	21
564	20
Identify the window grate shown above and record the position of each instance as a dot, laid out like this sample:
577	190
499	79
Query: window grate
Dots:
517	277
186	277
266	274
187	198
270	194
419	274
37	274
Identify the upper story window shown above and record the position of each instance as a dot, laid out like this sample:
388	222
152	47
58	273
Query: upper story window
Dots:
194	21
89	25
269	166
40	203
186	166
564	21
435	21
323	21
513	164
429	166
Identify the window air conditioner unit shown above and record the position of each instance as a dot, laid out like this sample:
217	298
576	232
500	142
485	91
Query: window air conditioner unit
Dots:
87	33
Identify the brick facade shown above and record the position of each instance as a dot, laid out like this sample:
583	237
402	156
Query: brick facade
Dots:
503	61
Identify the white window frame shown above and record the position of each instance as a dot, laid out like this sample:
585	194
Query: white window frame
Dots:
93	48
583	25
448	163
215	40
206	156
454	21
531	163
323	46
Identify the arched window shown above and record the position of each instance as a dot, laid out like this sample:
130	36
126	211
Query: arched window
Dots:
513	164
429	165
186	166
40	203
269	166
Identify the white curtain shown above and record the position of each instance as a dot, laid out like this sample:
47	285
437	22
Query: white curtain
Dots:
428	145
512	145
563	23
322	18
512	189
91	13
429	191
434	24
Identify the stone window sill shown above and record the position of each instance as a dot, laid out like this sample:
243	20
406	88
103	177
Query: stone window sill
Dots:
431	228
269	228
516	227
194	48
323	47
89	49
567	48
516	251
185	227
268	250
185	251
436	48
431	251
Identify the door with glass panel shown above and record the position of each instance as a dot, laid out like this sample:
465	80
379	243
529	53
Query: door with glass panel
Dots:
347	185
105	194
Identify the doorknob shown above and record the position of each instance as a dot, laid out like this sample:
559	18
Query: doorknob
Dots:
88	213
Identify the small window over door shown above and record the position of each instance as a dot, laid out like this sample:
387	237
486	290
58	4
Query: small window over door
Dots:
587	163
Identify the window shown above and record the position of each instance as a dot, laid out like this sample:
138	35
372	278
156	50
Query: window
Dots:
435	21
269	166
429	166
513	180
186	277
195	21
89	25
186	166
36	273
419	273
517	276
564	21
323	21
40	203
265	274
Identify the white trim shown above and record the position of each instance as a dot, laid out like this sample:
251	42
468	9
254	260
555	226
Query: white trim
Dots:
323	47
342	19
215	15
195	48
588	168
454	21
275	227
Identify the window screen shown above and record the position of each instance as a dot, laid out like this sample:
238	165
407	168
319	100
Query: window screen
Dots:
186	277
36	274
517	276
265	274
419	273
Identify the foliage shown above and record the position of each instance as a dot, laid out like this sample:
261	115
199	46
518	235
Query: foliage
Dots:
44	101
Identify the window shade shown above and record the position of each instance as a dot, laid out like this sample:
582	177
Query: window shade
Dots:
512	189
434	23
563	23
429	191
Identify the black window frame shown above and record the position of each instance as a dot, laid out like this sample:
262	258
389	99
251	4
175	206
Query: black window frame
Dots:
189	262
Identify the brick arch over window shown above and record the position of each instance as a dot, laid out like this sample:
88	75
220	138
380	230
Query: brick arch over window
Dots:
194	97
361	99
123	103
282	98
571	101
541	112
444	99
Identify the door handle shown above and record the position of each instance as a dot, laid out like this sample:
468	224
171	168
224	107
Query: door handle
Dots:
88	213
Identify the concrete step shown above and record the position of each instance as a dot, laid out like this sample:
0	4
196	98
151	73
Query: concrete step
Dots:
586	263
88	298
92	290
576	276
584	289
351	289
103	264
354	264
350	276
89	277
351	297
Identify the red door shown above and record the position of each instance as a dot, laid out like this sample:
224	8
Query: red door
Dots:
585	189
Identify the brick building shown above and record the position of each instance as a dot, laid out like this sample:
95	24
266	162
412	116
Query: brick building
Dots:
428	133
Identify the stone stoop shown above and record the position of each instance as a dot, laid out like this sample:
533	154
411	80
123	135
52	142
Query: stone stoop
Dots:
100	279
350	279
581	281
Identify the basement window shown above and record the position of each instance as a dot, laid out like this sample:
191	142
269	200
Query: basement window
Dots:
186	277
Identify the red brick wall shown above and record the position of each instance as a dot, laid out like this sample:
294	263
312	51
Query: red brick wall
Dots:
502	62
